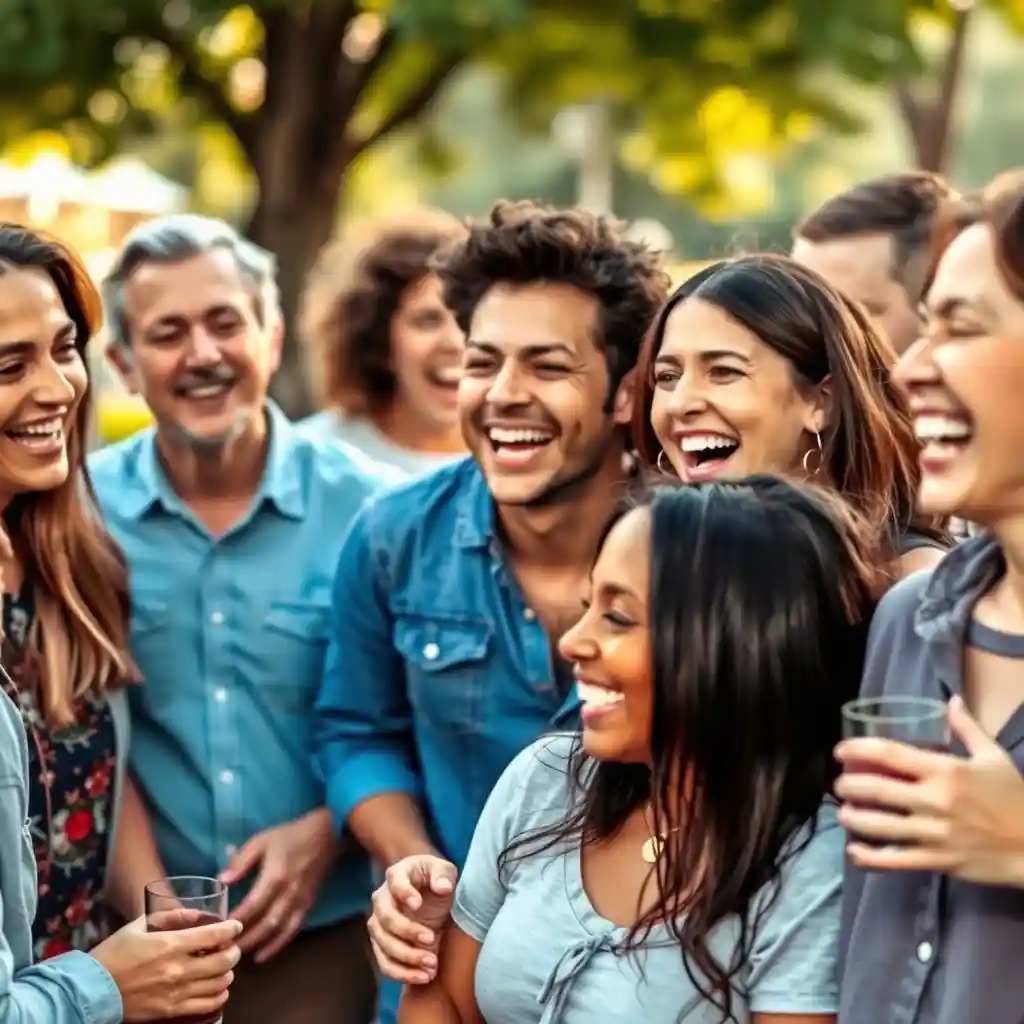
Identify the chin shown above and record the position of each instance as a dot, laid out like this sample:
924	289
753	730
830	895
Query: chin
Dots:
938	497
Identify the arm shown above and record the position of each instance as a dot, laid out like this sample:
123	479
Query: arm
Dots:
136	861
451	997
68	989
363	743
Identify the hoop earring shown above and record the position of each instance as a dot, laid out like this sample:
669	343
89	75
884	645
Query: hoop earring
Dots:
661	468
807	455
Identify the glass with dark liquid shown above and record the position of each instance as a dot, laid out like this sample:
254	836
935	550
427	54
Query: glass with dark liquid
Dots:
916	721
186	901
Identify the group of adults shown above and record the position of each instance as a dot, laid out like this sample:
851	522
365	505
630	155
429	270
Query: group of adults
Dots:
575	681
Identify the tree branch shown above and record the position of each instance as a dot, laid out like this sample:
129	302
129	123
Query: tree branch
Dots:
411	107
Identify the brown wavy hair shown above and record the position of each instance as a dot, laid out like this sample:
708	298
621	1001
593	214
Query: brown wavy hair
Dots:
351	298
869	451
1000	205
78	642
525	242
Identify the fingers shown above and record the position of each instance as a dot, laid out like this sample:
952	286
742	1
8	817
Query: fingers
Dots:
266	890
209	988
398	881
205	937
900	858
200	1006
393	920
214	964
397	951
245	860
879	755
396	971
443	876
284	935
882	826
279	917
968	730
861	788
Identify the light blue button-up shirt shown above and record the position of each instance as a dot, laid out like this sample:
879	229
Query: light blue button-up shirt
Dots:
229	634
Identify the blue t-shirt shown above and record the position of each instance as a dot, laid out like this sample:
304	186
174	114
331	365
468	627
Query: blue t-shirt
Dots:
548	957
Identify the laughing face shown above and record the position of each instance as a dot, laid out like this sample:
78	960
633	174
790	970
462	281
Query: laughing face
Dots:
426	355
610	646
726	404
534	393
200	356
42	381
965	379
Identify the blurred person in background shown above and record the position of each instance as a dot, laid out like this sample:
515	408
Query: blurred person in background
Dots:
678	861
231	522
757	365
873	243
934	899
453	591
73	829
385	351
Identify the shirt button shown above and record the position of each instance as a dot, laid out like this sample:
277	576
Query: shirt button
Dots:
217	618
227	777
431	651
220	695
231	849
924	952
529	615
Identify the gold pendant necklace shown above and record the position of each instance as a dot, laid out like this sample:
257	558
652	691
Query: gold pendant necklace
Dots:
654	847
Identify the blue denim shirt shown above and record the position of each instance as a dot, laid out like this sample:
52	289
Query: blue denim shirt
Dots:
229	634
437	672
68	989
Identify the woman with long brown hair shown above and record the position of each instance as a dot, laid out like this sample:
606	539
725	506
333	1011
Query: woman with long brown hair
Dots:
757	365
72	816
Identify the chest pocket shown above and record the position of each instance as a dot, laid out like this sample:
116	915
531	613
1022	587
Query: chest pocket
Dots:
293	643
446	665
151	642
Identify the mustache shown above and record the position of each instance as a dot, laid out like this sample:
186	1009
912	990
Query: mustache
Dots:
208	377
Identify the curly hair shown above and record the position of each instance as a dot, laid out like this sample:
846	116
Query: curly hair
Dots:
352	296
526	243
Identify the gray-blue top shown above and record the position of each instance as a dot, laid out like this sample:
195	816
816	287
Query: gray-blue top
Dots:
549	958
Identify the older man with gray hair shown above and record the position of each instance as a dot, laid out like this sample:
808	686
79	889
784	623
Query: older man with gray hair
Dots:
231	522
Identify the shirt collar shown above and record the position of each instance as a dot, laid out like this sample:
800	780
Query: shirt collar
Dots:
474	518
281	484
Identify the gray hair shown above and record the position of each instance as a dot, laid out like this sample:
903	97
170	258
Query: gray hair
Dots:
182	236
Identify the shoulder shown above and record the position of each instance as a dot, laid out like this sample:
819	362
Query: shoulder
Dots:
899	605
338	466
423	504
542	783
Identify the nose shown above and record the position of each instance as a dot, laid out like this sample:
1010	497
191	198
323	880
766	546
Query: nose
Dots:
687	398
52	386
916	367
452	338
203	348
577	644
507	388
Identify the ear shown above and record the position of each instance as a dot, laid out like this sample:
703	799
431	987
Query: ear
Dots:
819	409
276	346
622	409
120	358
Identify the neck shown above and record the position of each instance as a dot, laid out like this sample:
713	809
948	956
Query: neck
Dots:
1008	594
230	470
567	533
400	425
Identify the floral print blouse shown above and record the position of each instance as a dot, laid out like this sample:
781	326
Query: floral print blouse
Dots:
79	762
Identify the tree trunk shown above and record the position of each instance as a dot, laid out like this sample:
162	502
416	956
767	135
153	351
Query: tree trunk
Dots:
294	227
928	114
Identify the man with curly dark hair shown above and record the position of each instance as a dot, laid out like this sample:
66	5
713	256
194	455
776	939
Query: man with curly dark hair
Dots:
384	352
453	591
873	242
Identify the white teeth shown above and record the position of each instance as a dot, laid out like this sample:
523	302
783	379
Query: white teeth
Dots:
702	442
598	695
207	390
941	428
43	428
449	376
501	436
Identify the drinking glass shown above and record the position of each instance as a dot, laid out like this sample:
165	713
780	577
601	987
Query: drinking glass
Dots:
917	721
186	901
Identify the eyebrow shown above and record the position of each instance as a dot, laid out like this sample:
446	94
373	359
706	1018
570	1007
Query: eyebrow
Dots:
23	348
947	307
531	351
708	356
614	590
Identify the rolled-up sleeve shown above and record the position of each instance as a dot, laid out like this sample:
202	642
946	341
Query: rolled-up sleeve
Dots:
363	743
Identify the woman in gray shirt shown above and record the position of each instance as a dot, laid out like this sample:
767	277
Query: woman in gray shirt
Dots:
679	861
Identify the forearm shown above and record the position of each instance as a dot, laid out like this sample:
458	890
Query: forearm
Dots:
136	861
390	826
428	1004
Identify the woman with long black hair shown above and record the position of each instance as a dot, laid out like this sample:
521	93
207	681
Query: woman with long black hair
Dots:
679	860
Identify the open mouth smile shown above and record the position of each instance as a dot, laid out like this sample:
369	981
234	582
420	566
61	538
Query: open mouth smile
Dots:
705	454
40	436
518	448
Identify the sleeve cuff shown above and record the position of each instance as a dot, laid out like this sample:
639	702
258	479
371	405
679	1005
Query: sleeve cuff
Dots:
364	776
467	922
101	998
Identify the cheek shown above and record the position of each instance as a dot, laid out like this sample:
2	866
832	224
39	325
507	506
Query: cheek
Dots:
661	419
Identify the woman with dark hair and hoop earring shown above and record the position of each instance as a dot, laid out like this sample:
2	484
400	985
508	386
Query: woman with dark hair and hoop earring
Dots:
757	365
65	792
679	861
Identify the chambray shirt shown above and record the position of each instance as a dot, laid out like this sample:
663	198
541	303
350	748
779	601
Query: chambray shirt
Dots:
438	673
229	634
68	989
